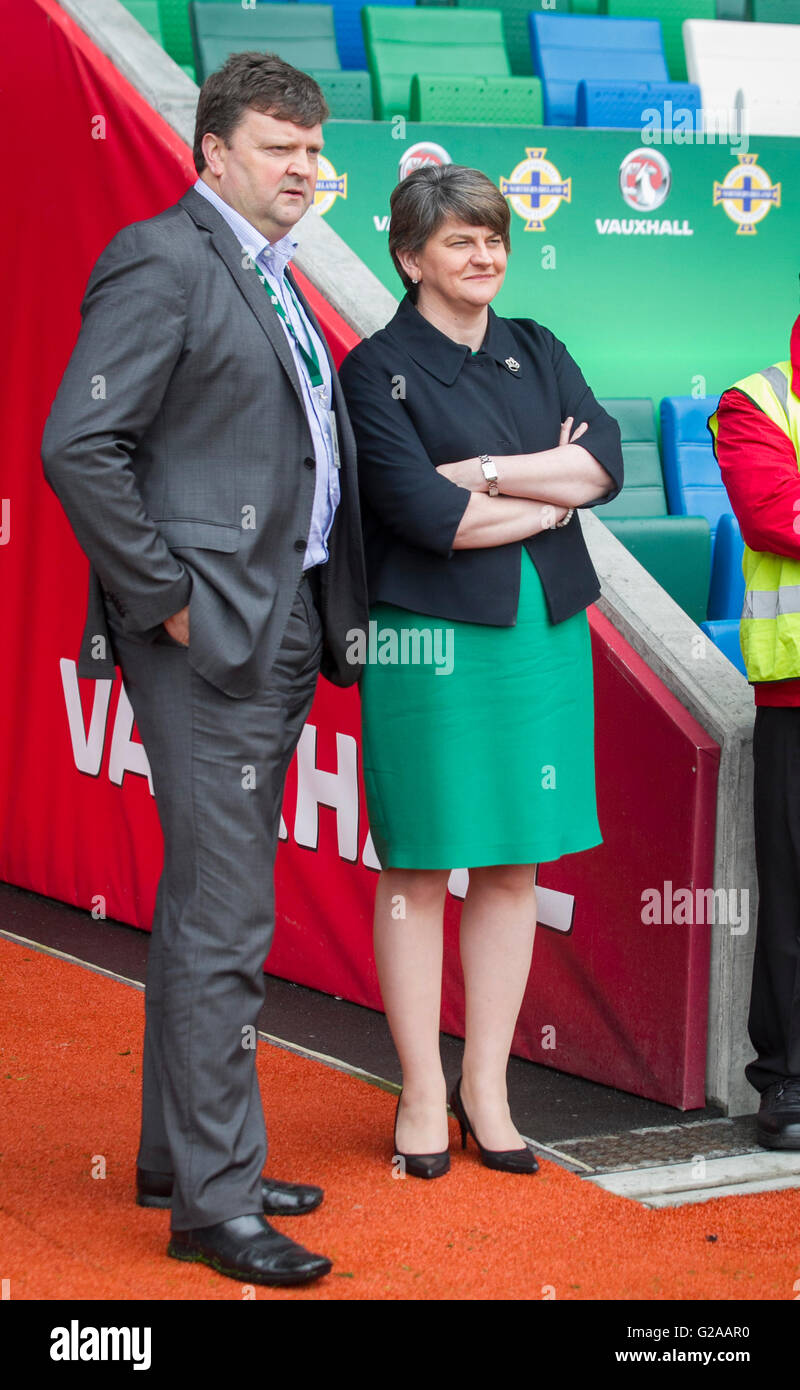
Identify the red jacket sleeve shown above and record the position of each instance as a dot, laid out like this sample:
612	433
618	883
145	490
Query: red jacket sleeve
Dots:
759	468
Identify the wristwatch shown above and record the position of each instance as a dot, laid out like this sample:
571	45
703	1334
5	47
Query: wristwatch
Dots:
490	473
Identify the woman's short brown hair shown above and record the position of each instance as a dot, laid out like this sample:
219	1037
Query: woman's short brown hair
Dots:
262	81
427	197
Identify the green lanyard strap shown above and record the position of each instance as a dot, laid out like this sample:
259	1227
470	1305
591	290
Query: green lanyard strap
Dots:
308	354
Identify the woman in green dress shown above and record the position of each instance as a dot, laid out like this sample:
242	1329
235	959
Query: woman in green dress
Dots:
477	700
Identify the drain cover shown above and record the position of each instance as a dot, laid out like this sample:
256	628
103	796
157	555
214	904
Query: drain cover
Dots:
642	1148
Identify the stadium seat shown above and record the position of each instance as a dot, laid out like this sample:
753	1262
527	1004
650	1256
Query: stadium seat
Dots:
176	31
671	13
448	42
643	491
304	38
476	100
515	26
621	105
734	9
726	594
568	48
349	32
724	633
146	12
776	11
691	474
348	93
675	550
754	66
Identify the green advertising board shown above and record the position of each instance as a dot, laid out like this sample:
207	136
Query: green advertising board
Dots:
680	285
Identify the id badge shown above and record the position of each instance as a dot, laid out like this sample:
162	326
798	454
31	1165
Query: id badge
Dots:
335	438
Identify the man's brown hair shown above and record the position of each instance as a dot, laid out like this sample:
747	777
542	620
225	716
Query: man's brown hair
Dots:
262	81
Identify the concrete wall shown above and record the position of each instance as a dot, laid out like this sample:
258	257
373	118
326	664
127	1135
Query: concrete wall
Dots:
707	685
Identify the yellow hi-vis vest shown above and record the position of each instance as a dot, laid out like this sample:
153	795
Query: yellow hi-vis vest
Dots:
769	632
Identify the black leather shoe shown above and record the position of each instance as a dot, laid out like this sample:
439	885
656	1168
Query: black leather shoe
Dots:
505	1160
421	1165
778	1122
278	1198
249	1249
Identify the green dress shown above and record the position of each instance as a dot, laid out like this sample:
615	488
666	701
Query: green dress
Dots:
480	751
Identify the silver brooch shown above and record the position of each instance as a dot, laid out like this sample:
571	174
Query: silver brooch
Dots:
512	364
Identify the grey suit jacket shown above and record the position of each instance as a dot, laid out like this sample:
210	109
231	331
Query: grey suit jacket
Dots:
179	447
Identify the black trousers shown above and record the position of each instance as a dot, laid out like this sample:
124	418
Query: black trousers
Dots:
774	1022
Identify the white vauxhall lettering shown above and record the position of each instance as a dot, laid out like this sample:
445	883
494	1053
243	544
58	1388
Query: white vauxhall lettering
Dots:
338	789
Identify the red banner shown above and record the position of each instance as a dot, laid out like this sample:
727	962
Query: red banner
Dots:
614	994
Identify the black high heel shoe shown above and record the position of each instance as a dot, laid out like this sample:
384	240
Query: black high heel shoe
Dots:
421	1165
506	1160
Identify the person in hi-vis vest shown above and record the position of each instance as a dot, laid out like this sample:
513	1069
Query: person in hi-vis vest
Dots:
756	432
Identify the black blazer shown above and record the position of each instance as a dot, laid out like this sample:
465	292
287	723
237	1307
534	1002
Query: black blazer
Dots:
417	399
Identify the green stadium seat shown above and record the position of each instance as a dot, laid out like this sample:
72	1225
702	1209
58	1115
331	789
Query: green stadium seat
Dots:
146	12
737	10
176	32
302	36
643	492
584	7
672	13
676	550
450	42
477	100
776	11
347	92
515	26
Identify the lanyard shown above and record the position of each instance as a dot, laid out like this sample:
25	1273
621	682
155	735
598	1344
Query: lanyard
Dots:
308	354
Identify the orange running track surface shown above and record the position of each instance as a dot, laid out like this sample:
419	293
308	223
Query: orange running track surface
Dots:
71	1062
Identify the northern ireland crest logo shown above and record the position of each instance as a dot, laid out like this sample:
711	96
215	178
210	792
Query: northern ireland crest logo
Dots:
535	189
747	193
330	186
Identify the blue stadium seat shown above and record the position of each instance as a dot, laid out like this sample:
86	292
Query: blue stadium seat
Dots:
621	105
691	473
725	634
567	48
726	594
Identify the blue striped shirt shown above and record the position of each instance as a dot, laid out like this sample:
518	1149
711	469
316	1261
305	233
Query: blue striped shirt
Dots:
272	259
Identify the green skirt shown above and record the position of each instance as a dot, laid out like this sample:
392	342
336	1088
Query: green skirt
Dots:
478	741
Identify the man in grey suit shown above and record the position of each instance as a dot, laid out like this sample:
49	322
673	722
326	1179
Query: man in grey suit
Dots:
200	446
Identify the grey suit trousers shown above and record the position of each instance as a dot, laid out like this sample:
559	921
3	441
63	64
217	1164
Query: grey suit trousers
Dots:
218	767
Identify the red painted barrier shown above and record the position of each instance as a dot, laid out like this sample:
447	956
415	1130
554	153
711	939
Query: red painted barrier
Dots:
610	996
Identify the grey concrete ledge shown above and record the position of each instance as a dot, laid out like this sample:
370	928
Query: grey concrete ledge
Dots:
708	686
